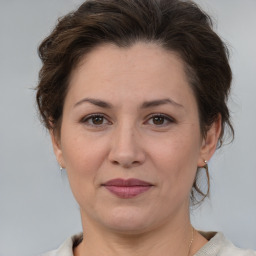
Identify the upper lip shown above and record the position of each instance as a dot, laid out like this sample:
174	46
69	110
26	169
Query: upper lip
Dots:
126	183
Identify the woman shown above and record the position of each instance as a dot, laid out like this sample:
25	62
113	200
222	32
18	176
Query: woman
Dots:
134	96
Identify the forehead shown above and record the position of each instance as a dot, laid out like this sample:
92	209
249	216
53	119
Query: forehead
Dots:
135	55
144	69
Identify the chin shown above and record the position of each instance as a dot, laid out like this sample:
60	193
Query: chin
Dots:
128	221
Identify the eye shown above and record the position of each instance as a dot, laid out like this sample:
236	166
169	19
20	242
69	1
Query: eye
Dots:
160	120
95	120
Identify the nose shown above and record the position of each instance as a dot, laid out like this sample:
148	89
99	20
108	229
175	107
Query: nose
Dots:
126	150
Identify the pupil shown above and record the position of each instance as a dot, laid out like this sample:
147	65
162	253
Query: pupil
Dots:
97	120
158	120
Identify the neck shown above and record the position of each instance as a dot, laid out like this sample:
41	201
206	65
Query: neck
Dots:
169	239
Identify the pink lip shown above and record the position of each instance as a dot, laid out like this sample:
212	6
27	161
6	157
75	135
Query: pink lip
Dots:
127	188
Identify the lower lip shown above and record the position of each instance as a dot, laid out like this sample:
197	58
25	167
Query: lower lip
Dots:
127	192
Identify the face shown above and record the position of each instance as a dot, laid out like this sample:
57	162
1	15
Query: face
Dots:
130	138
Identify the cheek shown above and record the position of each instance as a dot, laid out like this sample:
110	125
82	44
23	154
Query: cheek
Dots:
178	149
83	156
83	159
176	159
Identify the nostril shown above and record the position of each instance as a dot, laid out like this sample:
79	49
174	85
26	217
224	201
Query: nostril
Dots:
127	155
126	164
115	162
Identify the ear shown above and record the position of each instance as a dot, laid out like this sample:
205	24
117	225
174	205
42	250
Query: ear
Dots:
57	148
209	143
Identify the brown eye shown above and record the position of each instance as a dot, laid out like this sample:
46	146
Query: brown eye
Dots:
158	120
97	120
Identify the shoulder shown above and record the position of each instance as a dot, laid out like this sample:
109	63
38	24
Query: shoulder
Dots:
218	245
66	249
51	253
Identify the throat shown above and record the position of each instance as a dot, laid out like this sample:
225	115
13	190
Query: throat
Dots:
141	246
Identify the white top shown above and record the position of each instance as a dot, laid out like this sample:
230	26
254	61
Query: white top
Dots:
218	245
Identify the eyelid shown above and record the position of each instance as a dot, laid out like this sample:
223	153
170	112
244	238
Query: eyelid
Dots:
85	119
167	117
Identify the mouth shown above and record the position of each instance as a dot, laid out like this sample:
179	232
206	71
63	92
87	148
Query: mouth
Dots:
127	188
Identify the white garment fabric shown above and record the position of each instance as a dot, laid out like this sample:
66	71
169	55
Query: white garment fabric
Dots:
218	245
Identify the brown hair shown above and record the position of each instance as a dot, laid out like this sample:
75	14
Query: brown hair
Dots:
179	26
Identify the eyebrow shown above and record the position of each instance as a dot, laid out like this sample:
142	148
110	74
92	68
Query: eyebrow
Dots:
96	102
146	104
155	103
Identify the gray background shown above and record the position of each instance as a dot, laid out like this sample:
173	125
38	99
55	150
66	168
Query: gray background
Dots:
37	210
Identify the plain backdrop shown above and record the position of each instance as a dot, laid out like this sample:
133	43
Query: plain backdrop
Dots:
37	209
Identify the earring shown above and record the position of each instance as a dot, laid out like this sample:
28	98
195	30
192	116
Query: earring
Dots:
206	165
61	168
207	175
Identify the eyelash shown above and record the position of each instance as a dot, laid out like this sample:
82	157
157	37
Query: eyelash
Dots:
166	118
86	120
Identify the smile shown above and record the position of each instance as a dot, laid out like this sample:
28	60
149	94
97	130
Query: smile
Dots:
127	188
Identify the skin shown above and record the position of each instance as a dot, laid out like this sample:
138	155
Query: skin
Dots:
125	141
